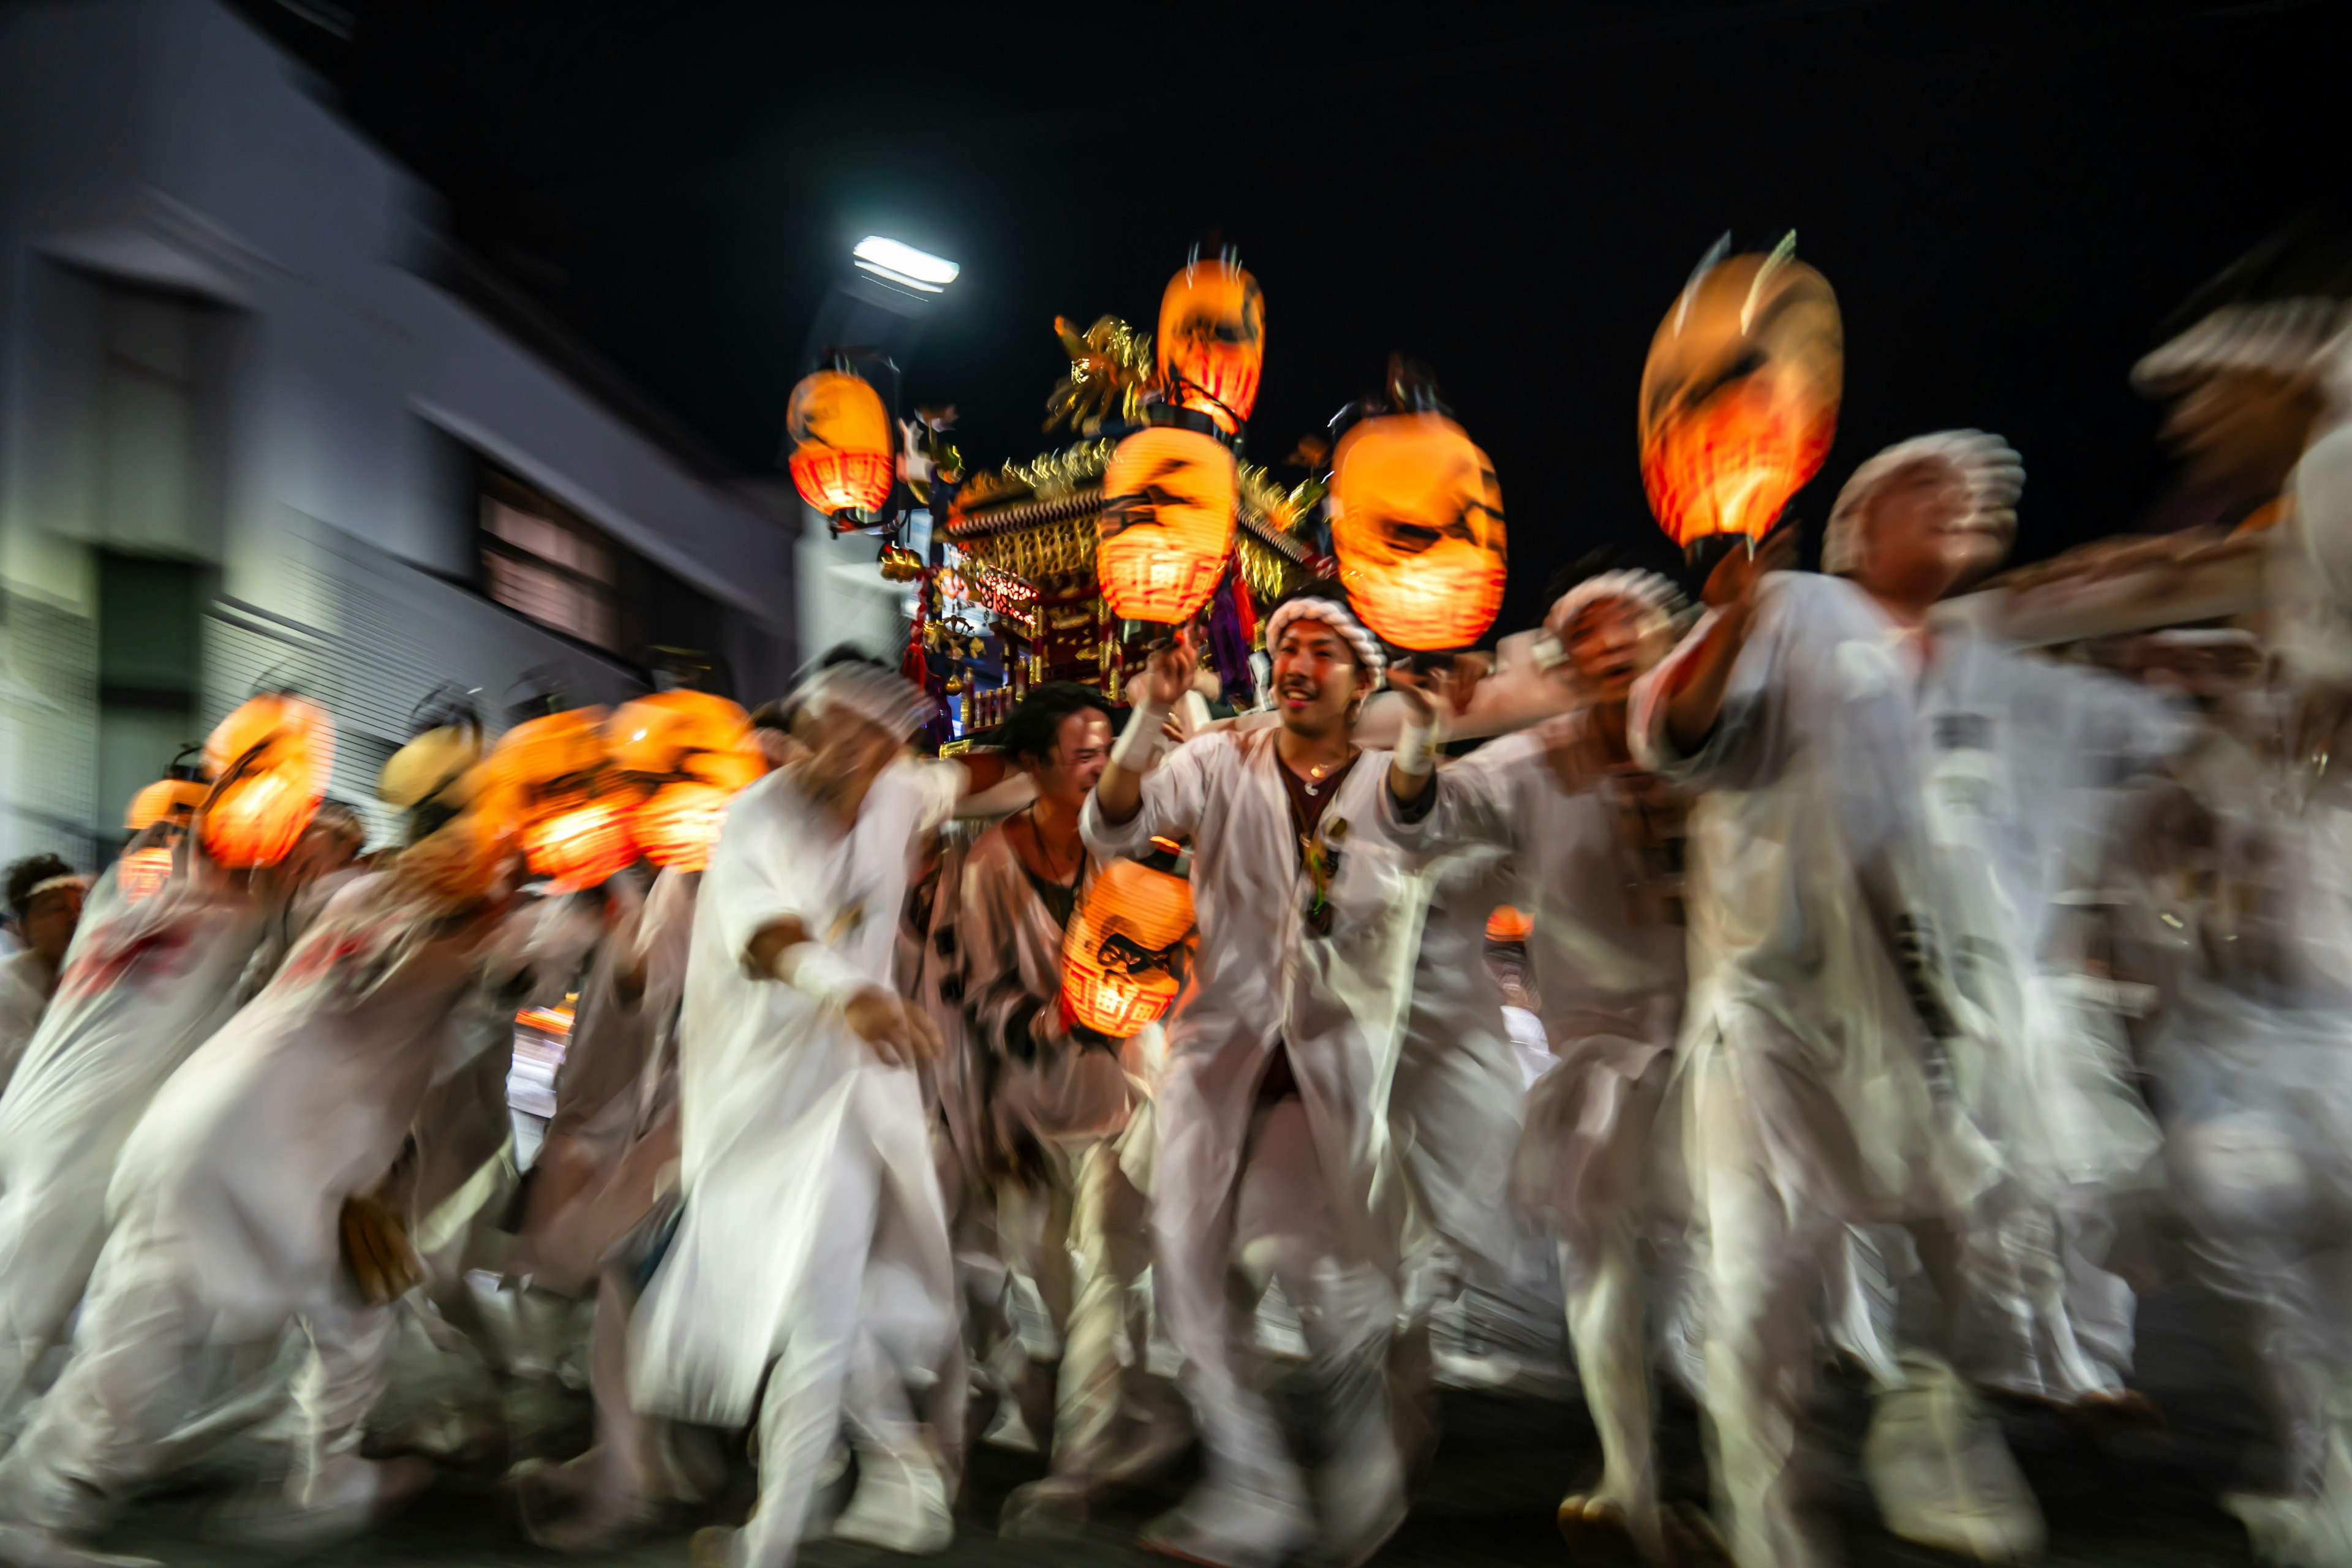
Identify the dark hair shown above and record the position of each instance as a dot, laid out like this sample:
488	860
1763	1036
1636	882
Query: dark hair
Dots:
1036	726
30	872
344	818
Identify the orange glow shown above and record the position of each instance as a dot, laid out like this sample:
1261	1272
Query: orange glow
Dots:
1167	523
144	872
1417	525
273	756
172	800
1123	961
679	823
556	1021
662	733
1213	341
582	847
1740	398
1508	925
845	458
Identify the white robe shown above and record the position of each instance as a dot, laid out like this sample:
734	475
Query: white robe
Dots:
787	1119
24	997
144	985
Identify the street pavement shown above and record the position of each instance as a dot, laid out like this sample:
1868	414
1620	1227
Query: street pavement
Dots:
2144	1497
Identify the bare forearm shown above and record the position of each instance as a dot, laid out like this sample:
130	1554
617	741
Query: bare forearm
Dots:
1118	795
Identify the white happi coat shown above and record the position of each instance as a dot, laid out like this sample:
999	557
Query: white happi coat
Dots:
2020	759
233	1181
144	985
1805	850
1604	955
1336	1001
782	1107
24	997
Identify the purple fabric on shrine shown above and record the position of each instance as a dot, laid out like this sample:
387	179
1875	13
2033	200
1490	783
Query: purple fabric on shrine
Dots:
1229	646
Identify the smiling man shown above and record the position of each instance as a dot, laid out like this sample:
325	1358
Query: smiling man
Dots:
1268	1112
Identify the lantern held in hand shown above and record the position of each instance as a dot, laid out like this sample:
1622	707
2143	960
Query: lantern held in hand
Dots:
1167	521
272	759
1124	958
846	456
172	800
1417	525
1213	341
1740	398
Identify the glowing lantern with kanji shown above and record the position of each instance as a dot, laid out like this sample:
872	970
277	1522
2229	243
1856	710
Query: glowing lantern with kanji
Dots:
552	780
1213	341
142	872
1417	526
271	759
1167	521
845	458
1740	398
1128	945
678	824
172	800
697	750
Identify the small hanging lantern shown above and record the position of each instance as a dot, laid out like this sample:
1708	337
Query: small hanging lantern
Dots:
1739	397
1213	341
272	757
844	459
1167	520
1124	959
142	873
1417	523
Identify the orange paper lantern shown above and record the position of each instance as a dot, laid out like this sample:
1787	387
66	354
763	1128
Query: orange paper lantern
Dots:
1213	341
846	459
459	863
273	758
1124	958
1507	925
678	824
172	800
1167	522
581	846
1740	398
142	872
658	733
1417	525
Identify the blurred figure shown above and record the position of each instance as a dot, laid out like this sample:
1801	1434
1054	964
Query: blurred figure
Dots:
2244	373
238	1207
1819	1013
1271	1136
1063	1097
1598	843
45	899
149	981
810	1275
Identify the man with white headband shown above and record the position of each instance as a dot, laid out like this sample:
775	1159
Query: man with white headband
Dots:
1268	1112
45	899
2021	762
1598	845
810	1269
1809	1082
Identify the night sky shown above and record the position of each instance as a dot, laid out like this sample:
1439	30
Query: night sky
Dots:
2008	200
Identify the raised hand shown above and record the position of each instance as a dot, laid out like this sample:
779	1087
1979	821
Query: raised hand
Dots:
1735	577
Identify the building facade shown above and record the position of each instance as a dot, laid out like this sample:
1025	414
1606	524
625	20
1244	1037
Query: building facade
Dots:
256	430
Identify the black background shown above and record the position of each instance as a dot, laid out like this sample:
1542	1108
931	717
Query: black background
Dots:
2008	200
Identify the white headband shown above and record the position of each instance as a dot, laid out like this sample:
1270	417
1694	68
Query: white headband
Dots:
1655	599
52	884
2287	337
1335	615
881	697
1992	472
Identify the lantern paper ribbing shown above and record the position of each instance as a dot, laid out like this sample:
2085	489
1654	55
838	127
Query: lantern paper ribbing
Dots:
1739	397
1417	525
1213	341
273	757
583	846
678	824
1123	961
142	872
1167	523
845	458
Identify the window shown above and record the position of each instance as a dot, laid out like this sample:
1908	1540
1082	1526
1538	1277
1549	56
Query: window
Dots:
544	564
549	564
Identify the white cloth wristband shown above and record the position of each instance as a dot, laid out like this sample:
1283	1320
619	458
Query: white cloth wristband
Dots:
1136	744
821	975
1416	747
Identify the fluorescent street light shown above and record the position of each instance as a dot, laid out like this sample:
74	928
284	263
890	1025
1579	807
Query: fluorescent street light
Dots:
904	265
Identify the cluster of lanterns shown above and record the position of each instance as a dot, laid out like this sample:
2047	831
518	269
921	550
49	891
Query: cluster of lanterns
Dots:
254	789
